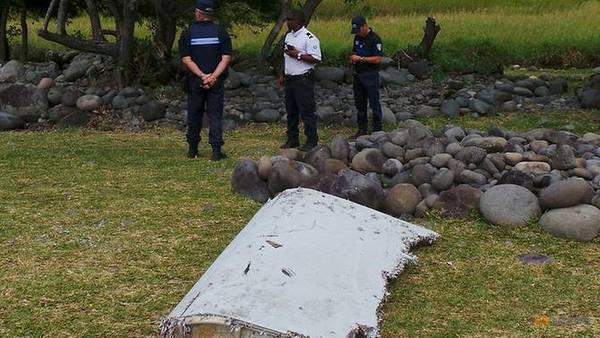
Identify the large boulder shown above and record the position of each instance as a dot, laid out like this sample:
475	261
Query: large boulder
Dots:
420	69
10	122
581	222
25	101
245	181
590	98
12	71
317	156
510	205
402	199
78	67
567	193
369	160
353	186
289	174
458	201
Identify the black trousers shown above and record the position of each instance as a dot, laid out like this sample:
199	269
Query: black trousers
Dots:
200	101
366	90
300	103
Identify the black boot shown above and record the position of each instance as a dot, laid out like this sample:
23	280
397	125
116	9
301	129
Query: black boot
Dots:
290	143
308	145
192	152
217	154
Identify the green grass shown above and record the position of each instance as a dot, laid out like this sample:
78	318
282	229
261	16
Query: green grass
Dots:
475	36
101	233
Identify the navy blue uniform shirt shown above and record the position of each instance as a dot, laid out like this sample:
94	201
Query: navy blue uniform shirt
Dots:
370	45
205	42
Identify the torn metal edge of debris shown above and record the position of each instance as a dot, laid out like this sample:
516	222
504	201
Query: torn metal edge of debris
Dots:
272	221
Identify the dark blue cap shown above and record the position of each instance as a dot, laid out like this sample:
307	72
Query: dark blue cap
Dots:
205	5
357	23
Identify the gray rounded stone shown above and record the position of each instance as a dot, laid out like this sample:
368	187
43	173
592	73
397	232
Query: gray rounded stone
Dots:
340	149
402	199
10	122
369	160
89	102
510	205
267	115
580	223
567	193
443	180
450	108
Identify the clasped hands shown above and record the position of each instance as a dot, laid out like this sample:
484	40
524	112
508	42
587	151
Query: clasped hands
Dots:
208	80
354	59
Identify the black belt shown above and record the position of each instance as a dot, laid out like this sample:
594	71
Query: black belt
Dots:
305	76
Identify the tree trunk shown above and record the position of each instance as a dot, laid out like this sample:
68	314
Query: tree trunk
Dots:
431	31
24	35
4	48
126	40
94	20
51	9
166	29
309	9
61	20
266	49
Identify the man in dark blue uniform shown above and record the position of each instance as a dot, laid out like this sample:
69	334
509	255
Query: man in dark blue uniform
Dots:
367	54
205	49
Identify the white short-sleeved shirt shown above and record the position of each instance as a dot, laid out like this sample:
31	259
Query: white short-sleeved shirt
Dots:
306	43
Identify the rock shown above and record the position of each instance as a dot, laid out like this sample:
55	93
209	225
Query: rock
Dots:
440	160
535	168
291	174
153	110
291	154
590	98
392	166
450	108
76	69
264	167
420	69
369	160
510	205
388	116
76	118
12	71
513	158
357	188
402	199
481	107
317	156
329	74
423	173
515	177
417	134
267	115
564	159
565	193
392	150
491	144
69	97
55	95
25	101
472	178
46	83
399	137
340	149
328	115
129	92
10	122
393	76
246	181
332	166
580	223
443	180
542	91
89	102
521	91
471	155
458	201
233	81
120	102
364	142
455	134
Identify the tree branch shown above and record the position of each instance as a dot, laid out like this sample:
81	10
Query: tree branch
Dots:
94	20
61	21
49	13
79	44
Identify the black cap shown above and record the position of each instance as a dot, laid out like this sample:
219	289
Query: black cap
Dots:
357	23
205	5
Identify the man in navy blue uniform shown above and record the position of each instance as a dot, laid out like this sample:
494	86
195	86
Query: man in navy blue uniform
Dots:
205	49
367	54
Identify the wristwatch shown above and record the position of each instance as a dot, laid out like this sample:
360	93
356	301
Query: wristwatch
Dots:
299	57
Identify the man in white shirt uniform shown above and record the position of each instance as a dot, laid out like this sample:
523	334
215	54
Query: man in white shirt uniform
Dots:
302	53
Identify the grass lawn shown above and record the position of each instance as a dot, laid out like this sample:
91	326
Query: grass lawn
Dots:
101	233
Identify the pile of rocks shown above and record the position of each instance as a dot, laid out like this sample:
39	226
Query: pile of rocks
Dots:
511	177
75	87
